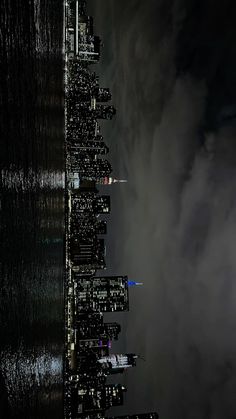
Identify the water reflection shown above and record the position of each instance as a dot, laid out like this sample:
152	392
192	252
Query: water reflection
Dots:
20	180
31	209
32	380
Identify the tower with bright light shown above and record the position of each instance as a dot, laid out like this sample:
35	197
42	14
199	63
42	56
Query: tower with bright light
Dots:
117	363
110	180
134	283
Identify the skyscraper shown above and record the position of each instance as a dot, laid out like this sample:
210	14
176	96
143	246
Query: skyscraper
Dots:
102	294
97	398
87	255
89	203
111	330
118	363
152	415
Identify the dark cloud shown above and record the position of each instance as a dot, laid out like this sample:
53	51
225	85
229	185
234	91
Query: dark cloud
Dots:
175	221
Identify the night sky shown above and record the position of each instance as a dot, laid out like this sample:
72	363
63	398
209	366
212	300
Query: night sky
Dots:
171	66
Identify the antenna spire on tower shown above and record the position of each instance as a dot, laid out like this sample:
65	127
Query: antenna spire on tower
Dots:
134	283
108	180
120	180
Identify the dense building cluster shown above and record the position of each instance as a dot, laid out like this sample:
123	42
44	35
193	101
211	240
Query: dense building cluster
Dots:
89	359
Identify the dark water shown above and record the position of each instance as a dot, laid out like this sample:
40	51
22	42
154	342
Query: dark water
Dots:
31	209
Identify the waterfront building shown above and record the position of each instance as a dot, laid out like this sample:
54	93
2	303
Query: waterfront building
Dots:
86	256
90	140
108	180
104	112
90	203
102	204
89	168
97	398
99	346
87	352
101	294
91	325
80	40
152	415
82	129
100	227
82	203
85	89
86	186
88	325
117	363
102	94
111	330
88	227
90	148
95	110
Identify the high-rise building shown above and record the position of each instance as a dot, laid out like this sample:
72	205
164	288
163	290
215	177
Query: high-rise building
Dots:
109	180
104	112
88	325
85	88
90	148
113	395
90	203
100	226
117	363
88	227
96	345
102	294
111	330
81	139
102	204
97	398
102	94
81	129
86	353
91	326
82	203
89	47
152	415
80	41
90	168
87	255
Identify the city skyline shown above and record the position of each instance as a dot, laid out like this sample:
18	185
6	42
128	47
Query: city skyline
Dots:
149	209
89	296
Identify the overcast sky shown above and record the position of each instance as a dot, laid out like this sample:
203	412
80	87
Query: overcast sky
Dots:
171	66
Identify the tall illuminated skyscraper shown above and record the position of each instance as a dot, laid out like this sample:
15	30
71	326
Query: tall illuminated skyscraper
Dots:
108	180
102	294
118	363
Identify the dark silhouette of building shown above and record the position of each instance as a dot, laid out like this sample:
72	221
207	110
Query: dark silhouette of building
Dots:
102	94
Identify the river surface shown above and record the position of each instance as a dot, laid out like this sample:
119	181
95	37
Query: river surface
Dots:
31	209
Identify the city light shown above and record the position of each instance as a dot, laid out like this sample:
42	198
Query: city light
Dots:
88	361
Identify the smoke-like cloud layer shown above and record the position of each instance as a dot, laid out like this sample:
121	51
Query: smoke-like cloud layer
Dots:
175	221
